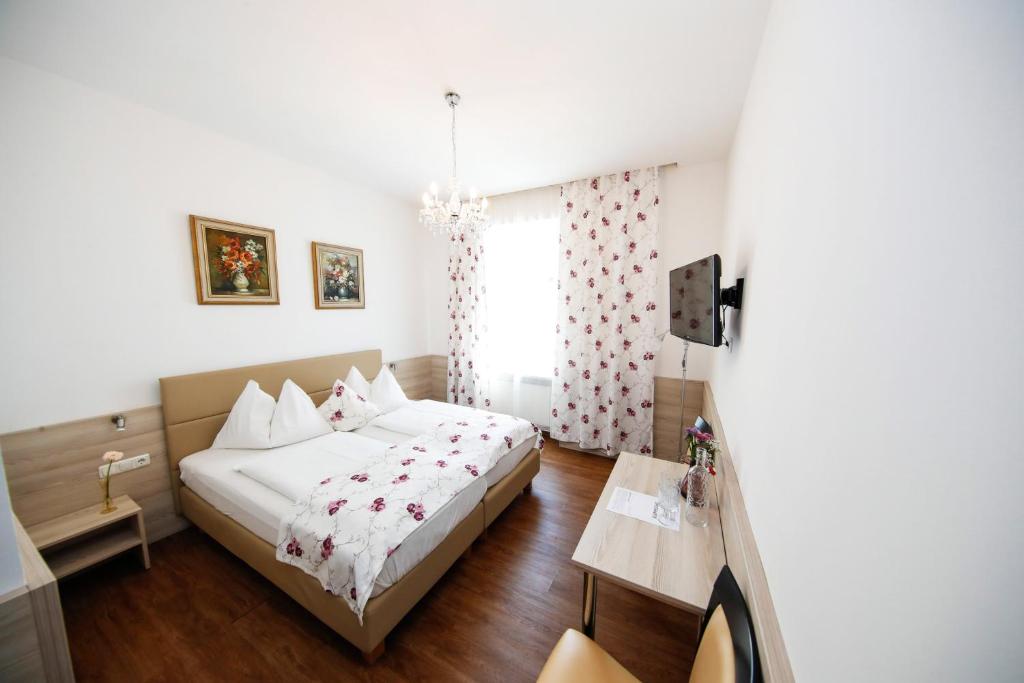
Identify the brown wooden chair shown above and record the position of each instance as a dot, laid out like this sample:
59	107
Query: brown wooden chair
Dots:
727	652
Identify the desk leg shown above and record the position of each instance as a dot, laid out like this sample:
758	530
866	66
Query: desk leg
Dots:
589	604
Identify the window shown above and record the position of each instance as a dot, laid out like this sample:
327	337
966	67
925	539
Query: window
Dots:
522	295
522	292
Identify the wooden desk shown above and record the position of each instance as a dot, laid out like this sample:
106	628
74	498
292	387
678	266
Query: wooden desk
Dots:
676	567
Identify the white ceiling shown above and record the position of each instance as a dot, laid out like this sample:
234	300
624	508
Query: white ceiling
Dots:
551	90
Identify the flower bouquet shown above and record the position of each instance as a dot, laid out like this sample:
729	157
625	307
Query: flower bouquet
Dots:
240	264
340	278
697	440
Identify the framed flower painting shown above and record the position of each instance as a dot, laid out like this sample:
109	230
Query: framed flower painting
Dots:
337	276
234	263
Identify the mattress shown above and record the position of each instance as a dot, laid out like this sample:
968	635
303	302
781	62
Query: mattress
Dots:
213	475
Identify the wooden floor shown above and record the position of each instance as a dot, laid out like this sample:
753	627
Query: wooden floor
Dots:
200	614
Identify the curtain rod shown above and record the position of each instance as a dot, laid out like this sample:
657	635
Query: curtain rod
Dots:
672	164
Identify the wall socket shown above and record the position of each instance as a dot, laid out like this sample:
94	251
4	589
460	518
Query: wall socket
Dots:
125	465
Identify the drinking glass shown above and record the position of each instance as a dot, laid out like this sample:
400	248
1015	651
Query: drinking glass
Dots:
667	507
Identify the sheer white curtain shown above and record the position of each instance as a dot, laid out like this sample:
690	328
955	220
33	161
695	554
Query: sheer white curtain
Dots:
521	244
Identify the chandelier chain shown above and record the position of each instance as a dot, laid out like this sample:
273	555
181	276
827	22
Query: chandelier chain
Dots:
454	156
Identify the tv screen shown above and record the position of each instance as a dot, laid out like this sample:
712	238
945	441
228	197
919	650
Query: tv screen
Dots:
694	301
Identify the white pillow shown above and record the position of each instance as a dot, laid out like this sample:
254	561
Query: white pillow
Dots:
356	381
346	409
248	424
385	391
295	418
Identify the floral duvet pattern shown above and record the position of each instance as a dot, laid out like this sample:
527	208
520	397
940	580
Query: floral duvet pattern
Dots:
352	521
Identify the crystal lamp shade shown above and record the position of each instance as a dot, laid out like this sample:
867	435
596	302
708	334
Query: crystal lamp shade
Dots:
453	215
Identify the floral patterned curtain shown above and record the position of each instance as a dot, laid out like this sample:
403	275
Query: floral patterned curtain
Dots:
467	321
603	390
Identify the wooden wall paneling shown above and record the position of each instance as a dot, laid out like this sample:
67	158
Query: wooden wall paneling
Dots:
439	378
52	470
48	617
743	558
414	376
667	414
20	658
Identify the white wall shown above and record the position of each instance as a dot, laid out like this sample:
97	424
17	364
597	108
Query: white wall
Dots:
872	400
690	220
96	275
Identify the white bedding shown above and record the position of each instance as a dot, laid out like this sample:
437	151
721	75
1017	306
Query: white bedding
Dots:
417	417
214	475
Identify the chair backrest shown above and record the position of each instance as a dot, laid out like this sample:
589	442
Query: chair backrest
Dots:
728	647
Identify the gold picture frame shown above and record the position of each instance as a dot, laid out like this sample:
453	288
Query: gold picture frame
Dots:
338	276
234	263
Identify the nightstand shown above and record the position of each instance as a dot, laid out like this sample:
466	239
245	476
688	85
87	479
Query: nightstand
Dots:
81	539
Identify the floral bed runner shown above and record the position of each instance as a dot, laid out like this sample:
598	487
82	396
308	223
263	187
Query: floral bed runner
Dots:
352	521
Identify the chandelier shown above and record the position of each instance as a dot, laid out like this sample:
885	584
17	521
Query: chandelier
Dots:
453	215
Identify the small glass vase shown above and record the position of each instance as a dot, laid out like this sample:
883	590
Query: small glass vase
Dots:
698	480
108	502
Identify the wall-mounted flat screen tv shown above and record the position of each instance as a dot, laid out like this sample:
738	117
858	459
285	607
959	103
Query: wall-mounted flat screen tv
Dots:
695	301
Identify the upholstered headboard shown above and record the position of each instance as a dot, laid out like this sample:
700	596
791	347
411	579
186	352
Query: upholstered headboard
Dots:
196	406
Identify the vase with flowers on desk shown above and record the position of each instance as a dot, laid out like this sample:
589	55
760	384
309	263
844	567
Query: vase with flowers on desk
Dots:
701	449
110	457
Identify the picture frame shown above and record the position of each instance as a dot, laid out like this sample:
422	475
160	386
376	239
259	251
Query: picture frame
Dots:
234	263
338	277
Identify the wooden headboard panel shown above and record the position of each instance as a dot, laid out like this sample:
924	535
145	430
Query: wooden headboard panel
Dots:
196	406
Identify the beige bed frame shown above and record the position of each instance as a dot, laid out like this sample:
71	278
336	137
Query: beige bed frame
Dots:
196	406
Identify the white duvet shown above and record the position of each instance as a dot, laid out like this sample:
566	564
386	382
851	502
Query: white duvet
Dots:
293	470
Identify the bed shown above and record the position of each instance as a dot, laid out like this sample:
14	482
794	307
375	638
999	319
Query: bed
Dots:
242	514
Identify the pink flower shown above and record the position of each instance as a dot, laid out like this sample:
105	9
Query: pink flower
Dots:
454	438
337	416
455	452
485	437
294	548
416	510
400	479
326	548
472	470
335	505
325	481
360	477
508	441
377	505
409	461
441	463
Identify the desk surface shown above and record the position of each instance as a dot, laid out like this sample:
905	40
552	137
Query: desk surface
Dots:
675	567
